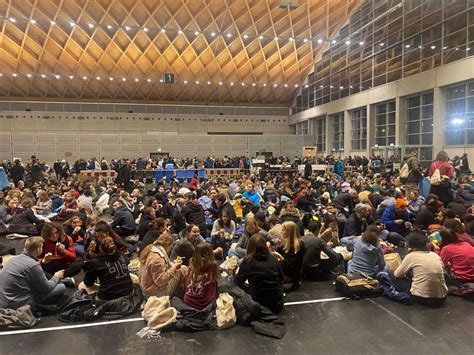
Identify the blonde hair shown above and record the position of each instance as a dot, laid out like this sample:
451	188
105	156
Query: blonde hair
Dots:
32	244
293	237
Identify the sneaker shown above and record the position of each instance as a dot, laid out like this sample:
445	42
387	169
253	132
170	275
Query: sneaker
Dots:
69	282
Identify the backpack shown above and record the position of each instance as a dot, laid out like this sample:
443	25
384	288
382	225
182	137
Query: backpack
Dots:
435	179
75	307
357	285
404	171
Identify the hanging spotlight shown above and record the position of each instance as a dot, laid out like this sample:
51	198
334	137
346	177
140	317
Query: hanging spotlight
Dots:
348	42
261	37
12	20
334	41
71	77
305	40
91	25
108	26
14	75
296	85
57	76
433	47
306	86
52	22
145	29
185	82
98	78
84	77
231	84
290	39
319	41
197	82
243	84
28	75
275	38
264	84
246	36
286	85
253	84
229	35
124	79
72	24
341	87
213	34
149	80
196	33
220	82
382	44
127	28
137	80
33	21
163	30
161	80
208	83
275	85
111	79
407	46
361	43
180	32
43	76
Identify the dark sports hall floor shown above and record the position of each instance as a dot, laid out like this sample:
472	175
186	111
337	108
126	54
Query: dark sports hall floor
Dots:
327	325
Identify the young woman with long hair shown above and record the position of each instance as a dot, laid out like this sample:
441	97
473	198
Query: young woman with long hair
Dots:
263	273
292	251
201	280
158	275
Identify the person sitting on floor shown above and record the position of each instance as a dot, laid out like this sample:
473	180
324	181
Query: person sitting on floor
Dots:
23	281
314	268
7	210
201	280
123	222
457	256
367	256
184	248
58	251
74	227
156	228
110	266
427	285
94	237
24	220
251	228
260	274
292	251
158	275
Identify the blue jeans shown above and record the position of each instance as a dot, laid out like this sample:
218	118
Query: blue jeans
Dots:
80	250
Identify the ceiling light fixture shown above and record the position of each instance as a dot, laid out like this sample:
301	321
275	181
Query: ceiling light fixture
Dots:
180	32
111	79
306	86
213	34
12	20
84	77
261	37
246	36
127	28
275	85
72	24
163	30
196	33
137	80
98	78
124	79
348	42
145	29
149	80
71	77
305	40
243	84
208	83
28	75
231	84
185	82
43	76
91	25
264	84
382	44
197	82
361	43
57	76
286	85
108	27
407	46
296	85
290	39
52	22
229	35
253	84
14	75
275	38
33	21
320	41
433	47
220	82
334	41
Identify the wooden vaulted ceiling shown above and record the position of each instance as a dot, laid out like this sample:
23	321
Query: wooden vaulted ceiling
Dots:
61	60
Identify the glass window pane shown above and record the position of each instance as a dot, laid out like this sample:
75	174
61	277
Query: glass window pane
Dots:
428	99
391	106
414	114
456	106
391	117
427	126
427	111
380	120
413	127
413	101
470	136
413	139
455	92
427	139
455	137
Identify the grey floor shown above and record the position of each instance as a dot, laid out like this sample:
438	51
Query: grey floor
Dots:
370	326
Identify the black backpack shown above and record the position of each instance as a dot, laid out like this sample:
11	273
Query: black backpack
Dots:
79	307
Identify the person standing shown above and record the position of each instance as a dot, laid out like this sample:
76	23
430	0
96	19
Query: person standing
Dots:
123	177
442	187
414	175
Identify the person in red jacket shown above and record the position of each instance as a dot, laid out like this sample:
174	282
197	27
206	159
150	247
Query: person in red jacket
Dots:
447	173
457	256
58	252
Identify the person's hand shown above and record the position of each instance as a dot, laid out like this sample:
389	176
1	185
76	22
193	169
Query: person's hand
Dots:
218	250
47	258
60	248
76	230
277	255
399	221
277	242
177	265
59	274
407	225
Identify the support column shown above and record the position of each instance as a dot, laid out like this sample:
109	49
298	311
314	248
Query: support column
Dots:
370	130
347	134
438	120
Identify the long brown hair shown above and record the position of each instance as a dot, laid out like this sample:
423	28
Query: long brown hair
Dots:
256	243
203	262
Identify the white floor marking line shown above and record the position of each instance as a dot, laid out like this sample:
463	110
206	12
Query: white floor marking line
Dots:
316	301
76	326
65	327
397	317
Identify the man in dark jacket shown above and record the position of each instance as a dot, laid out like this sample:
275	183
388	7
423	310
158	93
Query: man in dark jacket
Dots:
194	213
357	222
308	169
427	213
17	172
123	222
414	176
36	172
314	268
123	177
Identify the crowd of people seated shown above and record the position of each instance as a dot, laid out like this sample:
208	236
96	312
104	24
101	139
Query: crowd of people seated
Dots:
267	236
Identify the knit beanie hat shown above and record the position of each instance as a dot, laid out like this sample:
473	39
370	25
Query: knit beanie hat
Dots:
400	203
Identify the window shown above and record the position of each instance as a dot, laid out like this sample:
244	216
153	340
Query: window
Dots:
320	134
338	132
385	124
359	129
460	114
419	120
302	128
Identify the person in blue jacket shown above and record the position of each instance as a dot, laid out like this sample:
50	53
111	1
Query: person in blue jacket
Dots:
397	219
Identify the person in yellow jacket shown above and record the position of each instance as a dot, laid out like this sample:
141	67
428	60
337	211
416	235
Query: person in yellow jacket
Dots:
238	209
